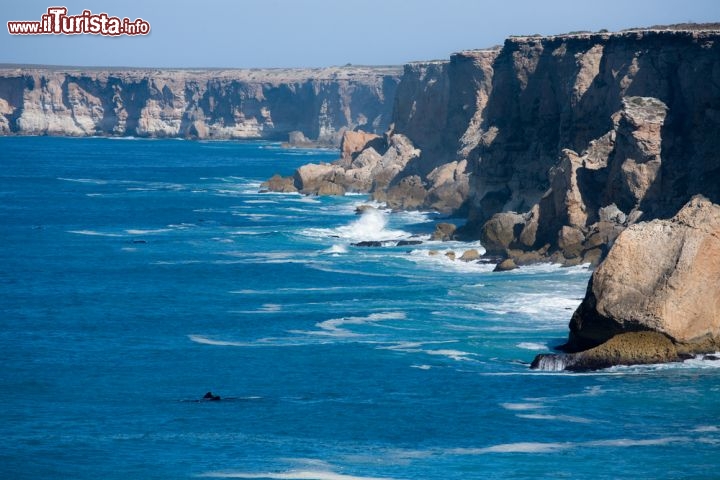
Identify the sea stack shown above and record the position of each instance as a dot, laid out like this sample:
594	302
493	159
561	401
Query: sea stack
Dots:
661	279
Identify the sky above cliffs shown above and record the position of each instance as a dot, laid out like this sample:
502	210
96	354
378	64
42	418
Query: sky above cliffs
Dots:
316	33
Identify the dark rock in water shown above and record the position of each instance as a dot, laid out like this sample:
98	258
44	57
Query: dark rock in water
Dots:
633	348
209	396
470	255
505	266
405	243
488	259
368	243
711	357
360	209
279	184
550	362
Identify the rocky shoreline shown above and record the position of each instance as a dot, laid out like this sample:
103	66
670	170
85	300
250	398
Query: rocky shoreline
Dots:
572	149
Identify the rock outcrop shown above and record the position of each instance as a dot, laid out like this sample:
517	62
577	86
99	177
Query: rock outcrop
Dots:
660	277
422	161
663	276
304	106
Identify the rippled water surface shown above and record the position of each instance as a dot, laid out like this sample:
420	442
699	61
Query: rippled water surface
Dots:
136	275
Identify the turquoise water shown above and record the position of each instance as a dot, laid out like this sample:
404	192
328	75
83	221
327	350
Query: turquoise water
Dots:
136	275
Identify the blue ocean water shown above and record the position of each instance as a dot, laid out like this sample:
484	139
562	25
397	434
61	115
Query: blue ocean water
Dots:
136	275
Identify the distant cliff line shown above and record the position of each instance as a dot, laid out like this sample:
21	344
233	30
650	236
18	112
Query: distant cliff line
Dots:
315	104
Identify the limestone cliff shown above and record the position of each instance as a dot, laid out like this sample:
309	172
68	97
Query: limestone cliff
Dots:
421	162
643	110
266	104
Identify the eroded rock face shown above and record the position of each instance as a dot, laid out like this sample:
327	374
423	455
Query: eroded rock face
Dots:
661	276
315	105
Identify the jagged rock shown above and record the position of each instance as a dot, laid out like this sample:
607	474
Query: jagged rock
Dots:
444	232
470	255
500	231
612	214
279	184
593	256
505	266
570	241
631	348
662	276
354	142
408	194
448	187
522	257
450	255
635	172
528	236
330	188
310	177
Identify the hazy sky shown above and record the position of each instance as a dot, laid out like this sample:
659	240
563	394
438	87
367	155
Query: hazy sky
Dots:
309	33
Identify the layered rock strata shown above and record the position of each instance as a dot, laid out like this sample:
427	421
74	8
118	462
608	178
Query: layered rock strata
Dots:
314	105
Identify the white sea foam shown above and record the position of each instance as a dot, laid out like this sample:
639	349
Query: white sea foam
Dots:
304	199
336	249
421	367
552	447
417	347
441	261
371	226
95	233
532	346
93	181
335	327
554	418
519	447
706	428
291	475
632	442
538	305
133	231
222	343
522	406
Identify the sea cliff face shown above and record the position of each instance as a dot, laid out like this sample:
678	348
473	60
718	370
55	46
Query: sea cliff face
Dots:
218	104
422	160
580	125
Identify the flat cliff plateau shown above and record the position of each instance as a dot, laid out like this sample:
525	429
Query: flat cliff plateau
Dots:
315	105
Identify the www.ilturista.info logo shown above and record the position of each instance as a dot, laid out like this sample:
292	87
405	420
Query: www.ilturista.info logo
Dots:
57	21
